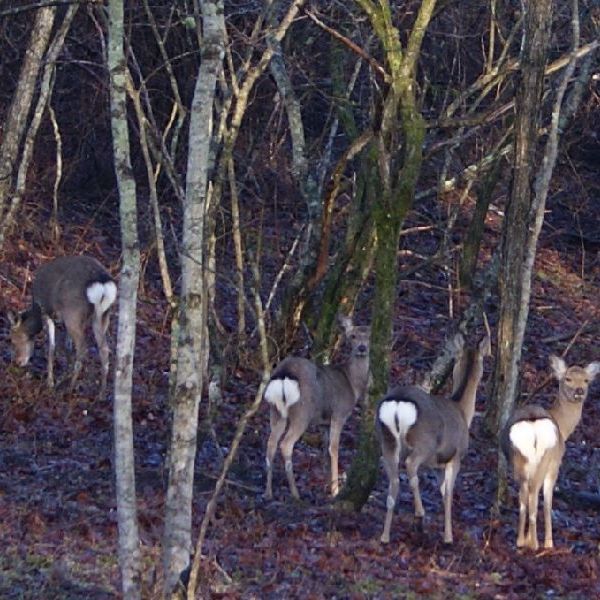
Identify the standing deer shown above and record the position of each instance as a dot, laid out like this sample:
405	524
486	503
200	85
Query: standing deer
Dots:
534	442
422	429
301	392
73	289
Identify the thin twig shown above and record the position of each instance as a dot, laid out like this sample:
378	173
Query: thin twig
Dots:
350	44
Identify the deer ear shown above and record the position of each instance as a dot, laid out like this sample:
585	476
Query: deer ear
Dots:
485	345
13	319
593	369
457	344
559	366
345	322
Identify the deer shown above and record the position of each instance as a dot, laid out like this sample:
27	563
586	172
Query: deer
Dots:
533	441
301	392
423	429
76	290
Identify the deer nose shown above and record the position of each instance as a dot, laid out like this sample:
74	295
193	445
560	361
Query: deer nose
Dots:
22	360
579	391
362	349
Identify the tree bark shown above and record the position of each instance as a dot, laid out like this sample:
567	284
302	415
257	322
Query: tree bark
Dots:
192	347
16	121
517	222
129	542
400	118
474	235
298	288
46	85
521	227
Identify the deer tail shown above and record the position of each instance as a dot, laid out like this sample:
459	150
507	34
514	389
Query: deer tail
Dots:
102	294
282	393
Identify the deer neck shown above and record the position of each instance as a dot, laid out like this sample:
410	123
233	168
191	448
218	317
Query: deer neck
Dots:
466	392
567	415
357	373
32	320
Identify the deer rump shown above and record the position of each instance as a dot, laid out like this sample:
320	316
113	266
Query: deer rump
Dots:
298	379
528	436
408	415
58	287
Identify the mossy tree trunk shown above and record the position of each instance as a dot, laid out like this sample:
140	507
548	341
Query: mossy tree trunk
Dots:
344	279
402	126
474	235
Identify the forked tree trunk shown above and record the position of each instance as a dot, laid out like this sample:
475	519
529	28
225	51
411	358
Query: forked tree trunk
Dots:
515	285
400	117
45	91
192	347
16	121
129	542
514	282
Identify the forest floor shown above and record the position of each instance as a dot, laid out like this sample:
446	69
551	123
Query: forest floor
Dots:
58	533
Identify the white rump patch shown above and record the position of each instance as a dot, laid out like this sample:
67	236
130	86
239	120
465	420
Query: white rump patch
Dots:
533	438
398	417
282	393
102	295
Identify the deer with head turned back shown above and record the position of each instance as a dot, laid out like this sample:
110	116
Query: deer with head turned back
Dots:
422	429
533	440
76	290
301	392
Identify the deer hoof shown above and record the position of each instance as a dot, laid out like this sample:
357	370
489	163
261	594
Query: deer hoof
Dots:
418	524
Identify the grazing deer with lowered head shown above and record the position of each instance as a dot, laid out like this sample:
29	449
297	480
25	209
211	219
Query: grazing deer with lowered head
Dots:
534	442
72	289
422	429
301	392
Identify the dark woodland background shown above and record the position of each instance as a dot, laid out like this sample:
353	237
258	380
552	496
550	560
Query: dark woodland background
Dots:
58	536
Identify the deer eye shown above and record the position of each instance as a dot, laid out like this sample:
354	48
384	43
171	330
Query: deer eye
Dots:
568	379
352	336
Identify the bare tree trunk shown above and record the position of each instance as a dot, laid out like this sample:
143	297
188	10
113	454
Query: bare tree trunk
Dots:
234	446
516	228
242	90
46	84
129	542
239	253
177	544
16	121
298	288
515	268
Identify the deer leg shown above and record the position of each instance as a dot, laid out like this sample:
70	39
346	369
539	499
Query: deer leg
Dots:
51	346
523	499
296	429
75	328
99	327
447	489
334	448
278	424
548	492
412	470
532	539
391	459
